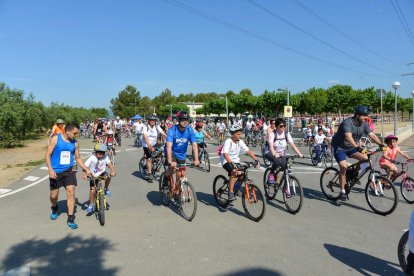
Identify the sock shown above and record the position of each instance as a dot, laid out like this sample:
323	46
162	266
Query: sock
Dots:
343	191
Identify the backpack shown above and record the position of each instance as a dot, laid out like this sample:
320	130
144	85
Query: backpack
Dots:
274	140
220	148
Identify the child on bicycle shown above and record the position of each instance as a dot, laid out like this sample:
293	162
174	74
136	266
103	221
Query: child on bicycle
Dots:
229	156
319	144
110	141
387	161
97	164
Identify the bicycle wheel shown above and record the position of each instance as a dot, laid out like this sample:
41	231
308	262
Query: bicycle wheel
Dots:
206	160
294	197
142	167
330	183
220	190
327	160
253	202
165	194
247	140
311	148
269	188
314	158
407	190
254	142
384	202
403	250
101	212
188	201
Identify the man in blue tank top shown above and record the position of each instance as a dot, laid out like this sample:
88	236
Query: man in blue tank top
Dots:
60	157
178	138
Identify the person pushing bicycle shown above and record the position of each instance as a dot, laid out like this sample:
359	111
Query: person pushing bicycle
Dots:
178	137
229	156
345	143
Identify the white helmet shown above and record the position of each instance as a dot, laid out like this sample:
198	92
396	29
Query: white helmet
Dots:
235	128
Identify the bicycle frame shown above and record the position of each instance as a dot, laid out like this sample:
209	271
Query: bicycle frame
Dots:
286	174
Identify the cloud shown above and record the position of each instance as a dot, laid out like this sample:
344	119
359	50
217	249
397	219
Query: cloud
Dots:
334	81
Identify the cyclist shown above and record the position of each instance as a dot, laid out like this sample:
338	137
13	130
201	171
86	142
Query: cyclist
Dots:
345	143
229	156
410	258
199	135
138	129
59	127
388	159
319	143
110	142
221	127
278	140
98	130
149	140
118	125
178	138
97	164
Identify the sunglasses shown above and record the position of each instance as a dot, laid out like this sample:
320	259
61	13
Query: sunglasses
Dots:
281	125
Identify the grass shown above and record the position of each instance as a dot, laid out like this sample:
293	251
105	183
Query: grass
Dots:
28	164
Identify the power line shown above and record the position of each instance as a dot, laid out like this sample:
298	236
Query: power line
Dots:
315	37
261	37
401	17
341	32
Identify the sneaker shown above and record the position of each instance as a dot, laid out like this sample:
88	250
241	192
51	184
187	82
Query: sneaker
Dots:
231	196
90	210
108	192
151	178
53	215
343	196
319	164
72	225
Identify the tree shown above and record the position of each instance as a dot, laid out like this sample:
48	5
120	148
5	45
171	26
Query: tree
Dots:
124	105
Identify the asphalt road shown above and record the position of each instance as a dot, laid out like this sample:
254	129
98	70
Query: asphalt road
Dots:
143	237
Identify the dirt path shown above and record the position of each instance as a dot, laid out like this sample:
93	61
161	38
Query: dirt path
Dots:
15	163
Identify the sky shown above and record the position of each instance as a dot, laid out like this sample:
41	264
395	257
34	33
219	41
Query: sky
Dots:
83	53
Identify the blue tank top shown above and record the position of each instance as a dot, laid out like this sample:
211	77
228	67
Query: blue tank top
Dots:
199	136
63	156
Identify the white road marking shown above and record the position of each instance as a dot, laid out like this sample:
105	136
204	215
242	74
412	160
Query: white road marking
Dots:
31	178
130	149
43	168
3	191
20	271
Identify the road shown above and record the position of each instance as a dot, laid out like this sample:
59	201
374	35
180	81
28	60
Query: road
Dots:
142	237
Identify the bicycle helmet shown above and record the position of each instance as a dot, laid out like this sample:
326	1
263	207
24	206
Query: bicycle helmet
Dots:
389	138
362	110
109	132
235	128
182	115
100	148
59	121
152	117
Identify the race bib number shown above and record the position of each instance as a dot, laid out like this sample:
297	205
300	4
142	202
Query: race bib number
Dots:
65	158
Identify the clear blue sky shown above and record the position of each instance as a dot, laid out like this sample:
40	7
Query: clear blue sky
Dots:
82	53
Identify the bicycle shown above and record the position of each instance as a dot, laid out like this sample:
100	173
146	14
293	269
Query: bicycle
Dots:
138	140
365	143
407	183
185	193
325	156
252	197
379	191
203	156
249	138
100	198
118	136
284	180
403	250
111	154
158	160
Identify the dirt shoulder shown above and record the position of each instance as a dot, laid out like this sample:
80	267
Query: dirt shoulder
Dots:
16	162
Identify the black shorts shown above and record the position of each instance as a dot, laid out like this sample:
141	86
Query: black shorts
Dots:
174	159
91	184
277	162
63	179
228	167
147	153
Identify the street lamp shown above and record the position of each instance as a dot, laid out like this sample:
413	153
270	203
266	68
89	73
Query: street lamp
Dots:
287	91
227	112
381	93
395	85
412	128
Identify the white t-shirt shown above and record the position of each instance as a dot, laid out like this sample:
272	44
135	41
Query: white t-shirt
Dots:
280	143
96	166
319	139
139	127
233	150
221	127
118	125
249	125
152	135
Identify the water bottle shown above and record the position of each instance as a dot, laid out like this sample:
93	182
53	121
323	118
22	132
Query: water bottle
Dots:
236	185
75	167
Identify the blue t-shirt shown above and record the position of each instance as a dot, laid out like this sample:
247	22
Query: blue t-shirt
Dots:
179	140
199	136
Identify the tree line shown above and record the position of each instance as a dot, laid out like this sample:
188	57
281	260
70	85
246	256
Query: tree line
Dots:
23	117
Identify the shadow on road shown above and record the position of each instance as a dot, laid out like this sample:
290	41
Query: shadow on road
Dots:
208	199
154	198
68	256
363	263
253	271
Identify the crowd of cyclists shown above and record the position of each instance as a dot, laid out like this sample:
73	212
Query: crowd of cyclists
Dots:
174	134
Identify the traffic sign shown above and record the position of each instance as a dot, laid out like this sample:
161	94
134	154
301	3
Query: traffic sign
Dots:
193	114
288	111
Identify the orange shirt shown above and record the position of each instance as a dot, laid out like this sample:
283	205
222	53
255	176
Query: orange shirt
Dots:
56	129
390	154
